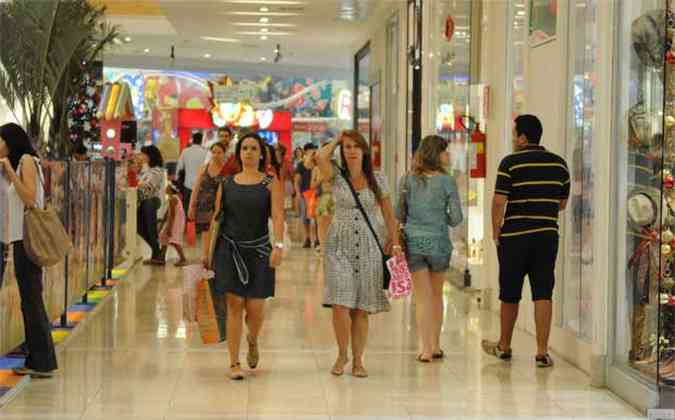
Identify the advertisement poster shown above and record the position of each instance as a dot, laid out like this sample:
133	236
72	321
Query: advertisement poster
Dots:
543	21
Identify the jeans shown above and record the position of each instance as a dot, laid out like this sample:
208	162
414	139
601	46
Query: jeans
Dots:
147	224
187	194
41	354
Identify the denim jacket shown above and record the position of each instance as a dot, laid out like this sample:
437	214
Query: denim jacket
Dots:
426	207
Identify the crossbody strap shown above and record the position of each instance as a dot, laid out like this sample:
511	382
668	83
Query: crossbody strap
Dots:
363	212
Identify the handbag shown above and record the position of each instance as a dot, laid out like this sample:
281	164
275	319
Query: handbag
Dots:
44	237
385	268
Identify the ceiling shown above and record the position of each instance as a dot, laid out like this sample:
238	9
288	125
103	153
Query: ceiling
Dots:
233	35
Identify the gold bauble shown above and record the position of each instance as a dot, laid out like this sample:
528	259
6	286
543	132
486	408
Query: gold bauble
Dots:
670	121
666	250
667	236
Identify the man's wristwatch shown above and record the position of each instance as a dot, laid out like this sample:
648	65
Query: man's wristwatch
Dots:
279	245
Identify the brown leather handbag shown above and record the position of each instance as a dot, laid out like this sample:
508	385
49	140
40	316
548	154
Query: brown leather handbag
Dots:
44	237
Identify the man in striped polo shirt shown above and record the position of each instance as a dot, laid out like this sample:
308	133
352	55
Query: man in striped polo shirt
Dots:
533	186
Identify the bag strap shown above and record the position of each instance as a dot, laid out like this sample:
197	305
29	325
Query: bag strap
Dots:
403	199
363	212
38	172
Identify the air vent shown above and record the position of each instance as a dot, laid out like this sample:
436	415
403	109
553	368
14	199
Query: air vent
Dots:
292	9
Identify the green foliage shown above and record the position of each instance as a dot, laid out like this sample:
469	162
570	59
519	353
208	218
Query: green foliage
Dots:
43	45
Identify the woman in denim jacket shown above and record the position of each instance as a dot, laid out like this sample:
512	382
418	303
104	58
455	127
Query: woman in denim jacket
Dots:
429	203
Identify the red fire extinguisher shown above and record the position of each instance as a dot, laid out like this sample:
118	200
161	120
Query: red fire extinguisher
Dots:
478	152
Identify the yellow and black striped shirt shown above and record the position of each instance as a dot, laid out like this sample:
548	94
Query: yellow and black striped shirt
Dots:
535	182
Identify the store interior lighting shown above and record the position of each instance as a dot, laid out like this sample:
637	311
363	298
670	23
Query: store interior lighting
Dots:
218	39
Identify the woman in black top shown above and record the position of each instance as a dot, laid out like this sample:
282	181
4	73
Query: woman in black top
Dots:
244	260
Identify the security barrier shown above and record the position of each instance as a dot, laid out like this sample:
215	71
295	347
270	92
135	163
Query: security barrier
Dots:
90	198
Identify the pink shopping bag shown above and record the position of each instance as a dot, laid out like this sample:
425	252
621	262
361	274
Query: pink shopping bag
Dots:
401	280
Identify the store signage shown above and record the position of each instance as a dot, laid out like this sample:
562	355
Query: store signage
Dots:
310	127
445	117
449	28
239	93
241	115
345	105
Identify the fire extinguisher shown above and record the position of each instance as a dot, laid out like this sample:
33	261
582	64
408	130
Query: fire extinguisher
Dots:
478	139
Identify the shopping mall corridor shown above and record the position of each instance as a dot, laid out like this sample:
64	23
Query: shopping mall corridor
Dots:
137	359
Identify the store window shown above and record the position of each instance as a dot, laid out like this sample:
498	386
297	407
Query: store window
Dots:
577	287
362	92
644	334
450	58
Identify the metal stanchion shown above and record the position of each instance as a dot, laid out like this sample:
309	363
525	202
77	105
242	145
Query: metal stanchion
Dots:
109	212
67	208
87	218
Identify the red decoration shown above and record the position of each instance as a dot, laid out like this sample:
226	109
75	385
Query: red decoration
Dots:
449	28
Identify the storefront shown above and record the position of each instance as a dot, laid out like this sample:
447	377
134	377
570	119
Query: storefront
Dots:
642	346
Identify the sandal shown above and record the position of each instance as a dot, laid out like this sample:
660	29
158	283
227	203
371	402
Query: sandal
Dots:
359	372
339	368
422	359
493	349
439	355
183	263
253	356
235	372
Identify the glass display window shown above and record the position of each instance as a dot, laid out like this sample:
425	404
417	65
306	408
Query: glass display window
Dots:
644	336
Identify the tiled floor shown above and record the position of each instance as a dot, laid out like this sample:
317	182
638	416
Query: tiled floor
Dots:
138	360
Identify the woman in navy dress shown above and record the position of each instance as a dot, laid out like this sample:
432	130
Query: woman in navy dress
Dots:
245	260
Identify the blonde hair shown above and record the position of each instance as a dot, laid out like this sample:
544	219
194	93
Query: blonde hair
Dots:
428	156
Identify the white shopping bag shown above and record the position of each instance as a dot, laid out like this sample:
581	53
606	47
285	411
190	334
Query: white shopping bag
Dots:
192	275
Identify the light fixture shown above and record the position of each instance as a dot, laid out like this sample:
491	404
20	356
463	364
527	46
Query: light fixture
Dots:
280	14
207	55
147	50
266	34
218	39
127	39
264	20
263	38
521	13
269	2
271	25
263	58
264	9
264	30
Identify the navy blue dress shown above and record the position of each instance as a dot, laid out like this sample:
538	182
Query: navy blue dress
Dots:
242	254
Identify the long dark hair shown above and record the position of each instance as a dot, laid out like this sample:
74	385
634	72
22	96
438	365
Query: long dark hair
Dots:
17	142
366	164
154	156
263	151
274	162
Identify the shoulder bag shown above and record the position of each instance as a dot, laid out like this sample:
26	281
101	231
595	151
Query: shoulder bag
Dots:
44	237
385	268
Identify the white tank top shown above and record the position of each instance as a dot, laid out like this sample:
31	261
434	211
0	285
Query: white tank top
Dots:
16	207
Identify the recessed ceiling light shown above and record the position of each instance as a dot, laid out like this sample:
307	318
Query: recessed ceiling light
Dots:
127	39
281	14
271	25
269	33
217	39
270	2
264	9
521	13
264	20
263	38
147	50
117	41
207	55
264	30
263	58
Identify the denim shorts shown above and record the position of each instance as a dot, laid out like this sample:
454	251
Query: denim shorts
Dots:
433	263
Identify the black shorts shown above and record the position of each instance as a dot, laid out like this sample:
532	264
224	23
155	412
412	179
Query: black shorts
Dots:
531	255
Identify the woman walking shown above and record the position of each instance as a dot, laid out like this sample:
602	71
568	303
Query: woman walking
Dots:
353	266
428	203
149	195
20	166
244	259
203	198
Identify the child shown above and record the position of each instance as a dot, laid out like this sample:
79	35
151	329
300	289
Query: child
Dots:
174	225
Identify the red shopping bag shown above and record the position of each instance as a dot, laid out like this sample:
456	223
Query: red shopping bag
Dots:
191	233
310	198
